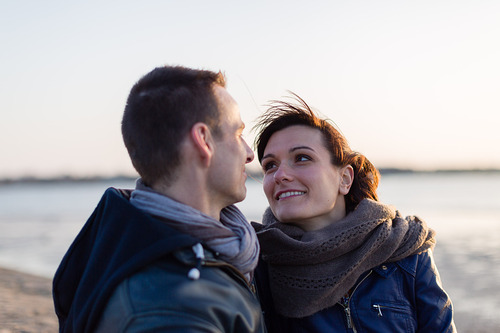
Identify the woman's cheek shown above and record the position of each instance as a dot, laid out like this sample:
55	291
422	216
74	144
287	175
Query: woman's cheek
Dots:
268	187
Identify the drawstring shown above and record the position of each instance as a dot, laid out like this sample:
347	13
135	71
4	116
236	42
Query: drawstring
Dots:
194	273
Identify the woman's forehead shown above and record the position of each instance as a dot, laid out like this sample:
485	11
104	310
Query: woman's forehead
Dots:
295	137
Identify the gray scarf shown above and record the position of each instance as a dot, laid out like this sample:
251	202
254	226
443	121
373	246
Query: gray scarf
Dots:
232	237
311	271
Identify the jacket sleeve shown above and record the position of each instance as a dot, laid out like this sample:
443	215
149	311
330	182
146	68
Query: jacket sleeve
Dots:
434	307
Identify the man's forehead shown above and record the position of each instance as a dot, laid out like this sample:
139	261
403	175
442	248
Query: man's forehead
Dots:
229	111
223	95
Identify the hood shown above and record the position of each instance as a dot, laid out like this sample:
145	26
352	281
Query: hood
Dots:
116	241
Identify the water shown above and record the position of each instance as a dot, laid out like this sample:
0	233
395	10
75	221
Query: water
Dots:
38	222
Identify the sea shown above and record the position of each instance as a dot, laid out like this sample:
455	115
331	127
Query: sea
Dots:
39	220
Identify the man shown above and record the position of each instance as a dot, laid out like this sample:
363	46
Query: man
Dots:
174	254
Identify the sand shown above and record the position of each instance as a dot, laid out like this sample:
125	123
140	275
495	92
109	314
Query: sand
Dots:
26	306
26	303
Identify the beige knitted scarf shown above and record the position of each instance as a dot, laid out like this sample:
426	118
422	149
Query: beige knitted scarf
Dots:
311	271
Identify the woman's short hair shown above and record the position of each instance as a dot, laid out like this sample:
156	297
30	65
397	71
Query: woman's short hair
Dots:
283	114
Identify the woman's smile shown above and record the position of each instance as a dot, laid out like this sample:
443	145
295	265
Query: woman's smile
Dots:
287	194
300	182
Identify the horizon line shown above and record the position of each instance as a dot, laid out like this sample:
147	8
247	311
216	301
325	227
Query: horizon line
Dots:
252	173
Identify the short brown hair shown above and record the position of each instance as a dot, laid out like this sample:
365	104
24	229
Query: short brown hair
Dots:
161	109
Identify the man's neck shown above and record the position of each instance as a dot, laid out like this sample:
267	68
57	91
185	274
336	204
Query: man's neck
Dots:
192	195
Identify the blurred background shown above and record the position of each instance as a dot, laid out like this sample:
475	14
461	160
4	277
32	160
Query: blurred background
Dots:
412	85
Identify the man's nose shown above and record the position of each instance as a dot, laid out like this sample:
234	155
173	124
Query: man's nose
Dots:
250	154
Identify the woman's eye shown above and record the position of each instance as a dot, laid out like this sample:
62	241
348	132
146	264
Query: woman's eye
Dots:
302	158
268	166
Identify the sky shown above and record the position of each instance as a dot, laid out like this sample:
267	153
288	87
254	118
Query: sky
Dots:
411	84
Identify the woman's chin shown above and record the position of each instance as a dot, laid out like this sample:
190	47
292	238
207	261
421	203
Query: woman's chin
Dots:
289	218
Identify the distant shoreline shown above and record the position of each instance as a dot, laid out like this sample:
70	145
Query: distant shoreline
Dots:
252	174
64	179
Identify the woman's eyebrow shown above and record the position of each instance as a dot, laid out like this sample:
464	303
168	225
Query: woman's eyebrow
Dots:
267	155
291	150
300	147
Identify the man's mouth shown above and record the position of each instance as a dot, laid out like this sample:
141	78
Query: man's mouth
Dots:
284	195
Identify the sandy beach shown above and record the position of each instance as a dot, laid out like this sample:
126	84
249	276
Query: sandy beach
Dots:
26	306
26	303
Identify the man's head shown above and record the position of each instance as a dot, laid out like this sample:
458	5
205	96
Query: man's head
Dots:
183	132
161	109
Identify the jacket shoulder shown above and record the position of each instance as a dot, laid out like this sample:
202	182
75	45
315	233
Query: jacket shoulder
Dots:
162	296
413	263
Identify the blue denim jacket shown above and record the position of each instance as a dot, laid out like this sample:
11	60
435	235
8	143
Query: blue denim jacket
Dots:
405	296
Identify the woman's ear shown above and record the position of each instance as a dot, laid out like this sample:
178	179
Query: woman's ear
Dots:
346	179
203	142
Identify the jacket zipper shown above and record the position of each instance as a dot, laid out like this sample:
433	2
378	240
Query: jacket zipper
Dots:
345	305
346	301
380	307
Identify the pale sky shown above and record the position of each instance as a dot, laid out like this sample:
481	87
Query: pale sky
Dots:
412	84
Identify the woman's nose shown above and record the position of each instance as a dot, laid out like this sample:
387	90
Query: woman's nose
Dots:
282	174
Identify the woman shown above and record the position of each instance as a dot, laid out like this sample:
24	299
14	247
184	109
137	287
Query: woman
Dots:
335	259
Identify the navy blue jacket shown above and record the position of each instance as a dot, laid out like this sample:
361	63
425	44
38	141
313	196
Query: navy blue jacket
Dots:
405	296
121	251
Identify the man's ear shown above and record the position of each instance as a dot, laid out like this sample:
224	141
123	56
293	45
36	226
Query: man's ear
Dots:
346	179
203	142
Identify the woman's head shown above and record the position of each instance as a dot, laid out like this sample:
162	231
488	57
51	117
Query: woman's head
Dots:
296	147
